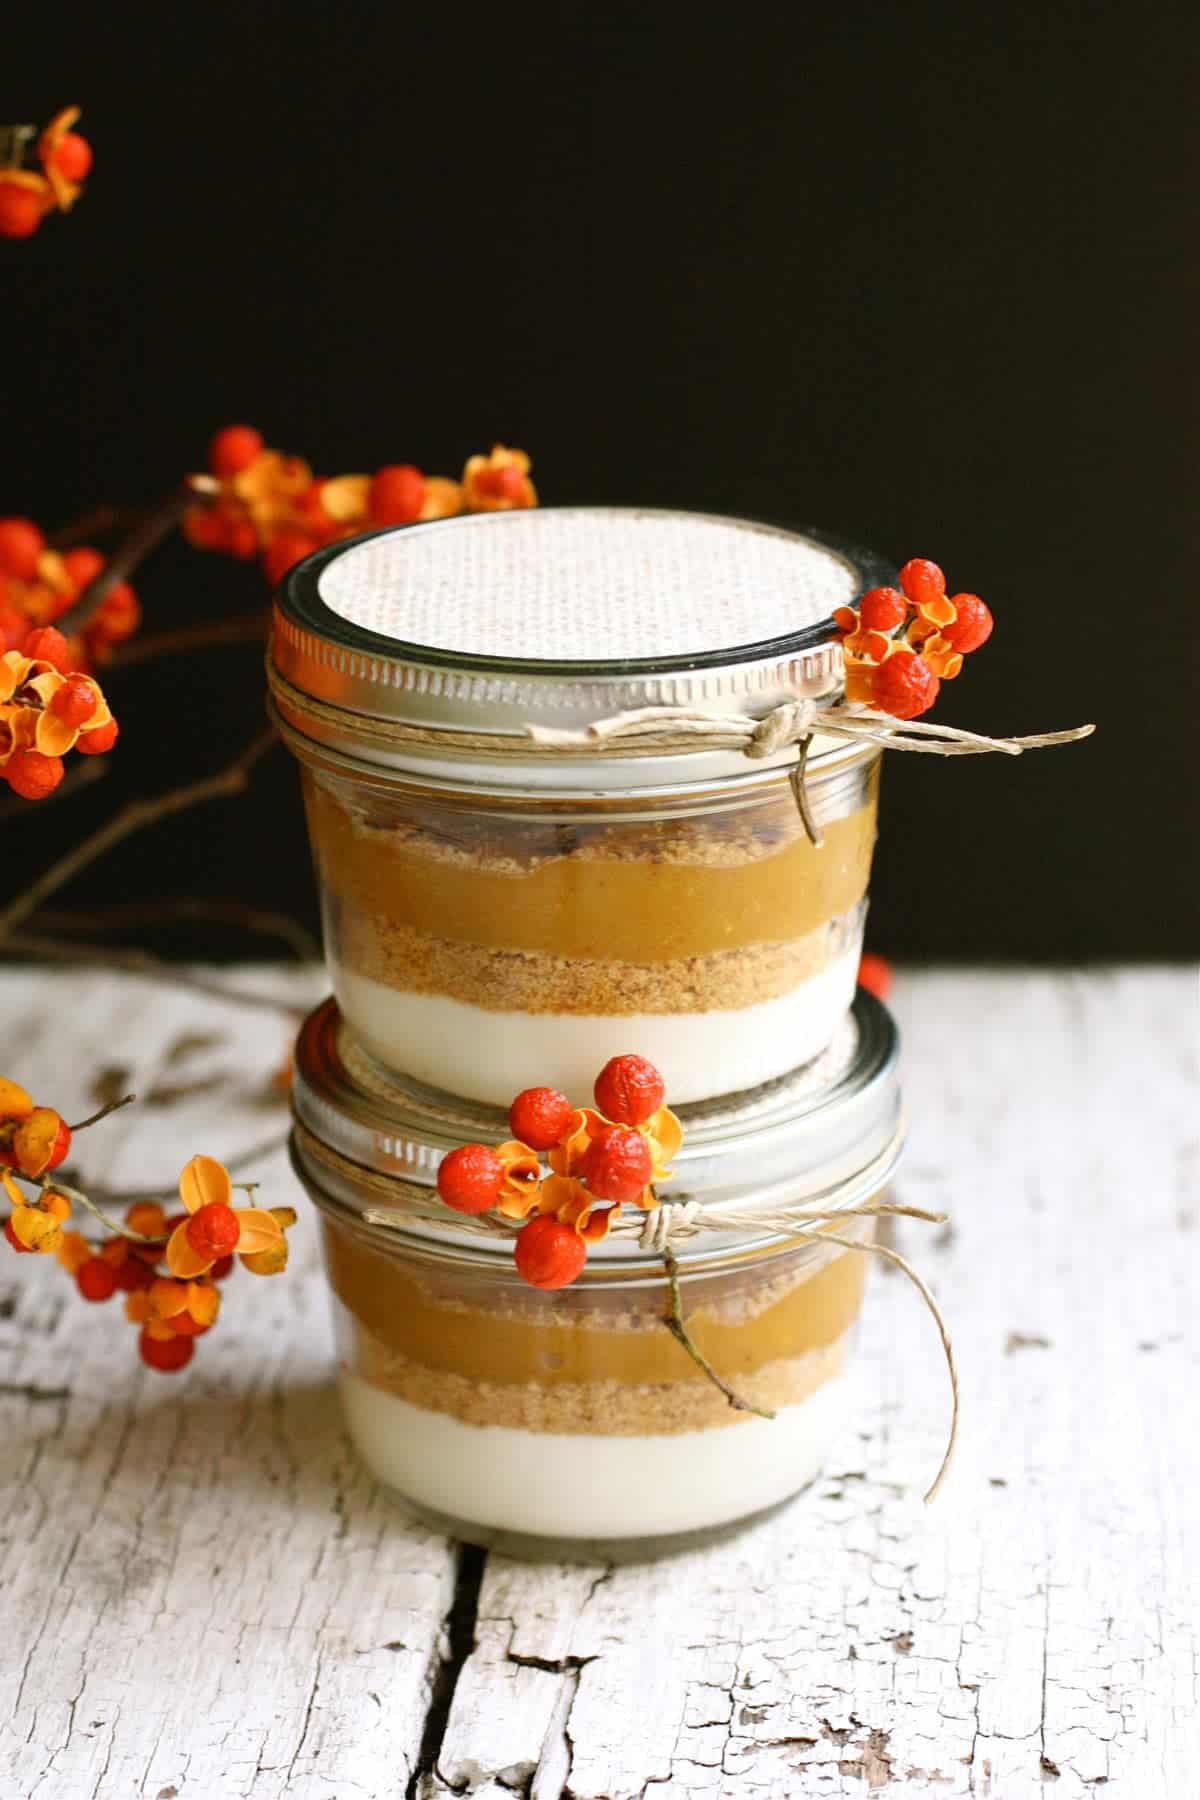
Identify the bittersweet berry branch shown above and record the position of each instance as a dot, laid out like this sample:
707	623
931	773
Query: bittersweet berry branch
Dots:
139	962
136	915
137	1196
133	818
93	523
132	551
245	628
50	1184
679	1331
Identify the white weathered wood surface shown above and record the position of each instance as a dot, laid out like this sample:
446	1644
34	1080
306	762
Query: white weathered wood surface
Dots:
204	1596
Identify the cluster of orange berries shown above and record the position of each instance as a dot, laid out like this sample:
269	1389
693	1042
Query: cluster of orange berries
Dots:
46	710
258	503
27	195
901	643
38	584
168	1266
599	1160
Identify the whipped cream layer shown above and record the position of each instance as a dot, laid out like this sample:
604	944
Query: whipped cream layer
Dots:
489	1056
584	1485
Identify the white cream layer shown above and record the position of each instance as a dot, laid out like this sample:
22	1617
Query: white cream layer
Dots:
567	1484
491	1056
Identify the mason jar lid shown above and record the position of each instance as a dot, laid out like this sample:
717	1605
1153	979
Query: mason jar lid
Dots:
558	616
829	1130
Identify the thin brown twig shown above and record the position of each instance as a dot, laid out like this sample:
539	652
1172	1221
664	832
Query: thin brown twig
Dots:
136	1196
84	772
165	912
145	537
246	628
111	1107
679	1331
132	818
93	523
140	962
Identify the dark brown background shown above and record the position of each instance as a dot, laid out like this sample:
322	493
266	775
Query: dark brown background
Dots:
924	278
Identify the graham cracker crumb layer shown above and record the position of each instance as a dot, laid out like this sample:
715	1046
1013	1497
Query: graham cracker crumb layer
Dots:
502	980
597	1408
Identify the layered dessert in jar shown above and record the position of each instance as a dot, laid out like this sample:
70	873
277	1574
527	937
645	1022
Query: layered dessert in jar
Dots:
495	915
577	1413
476	948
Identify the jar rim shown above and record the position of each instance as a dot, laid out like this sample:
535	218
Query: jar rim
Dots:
819	1134
359	673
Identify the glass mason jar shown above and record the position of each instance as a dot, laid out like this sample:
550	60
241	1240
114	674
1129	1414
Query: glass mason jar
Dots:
497	1408
500	913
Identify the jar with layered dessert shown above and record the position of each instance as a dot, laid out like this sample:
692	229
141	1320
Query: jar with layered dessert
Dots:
507	903
507	1414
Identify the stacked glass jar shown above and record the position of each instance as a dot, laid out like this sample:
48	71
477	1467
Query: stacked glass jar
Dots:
508	902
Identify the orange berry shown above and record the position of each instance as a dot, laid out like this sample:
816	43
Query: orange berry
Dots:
202	528
396	495
617	1164
922	581
311	505
882	609
221	1268
97	741
117	617
75	701
32	774
21	543
213	1230
82	564
283	552
41	1141
876	974
233	449
13	626
133	1275
629	1089
549	1254
97	1279
47	644
165	1354
905	686
20	210
57	1205
148	1217
242	540
72	156
972	625
469	1178
506	483
540	1117
184	1326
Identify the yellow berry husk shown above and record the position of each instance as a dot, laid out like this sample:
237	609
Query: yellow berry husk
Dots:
272	1261
36	1229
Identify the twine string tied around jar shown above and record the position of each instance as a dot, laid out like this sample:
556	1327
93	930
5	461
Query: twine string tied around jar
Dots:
670	729
675	730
